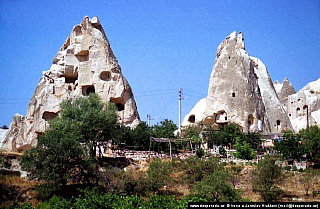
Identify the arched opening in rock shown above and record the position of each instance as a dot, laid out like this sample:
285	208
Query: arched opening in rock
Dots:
119	102
250	120
49	115
120	106
298	111
105	76
278	125
221	117
192	119
233	94
86	90
305	109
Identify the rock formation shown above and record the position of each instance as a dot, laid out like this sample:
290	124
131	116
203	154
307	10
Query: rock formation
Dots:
196	114
303	107
3	133
283	90
84	64
274	110
233	94
240	91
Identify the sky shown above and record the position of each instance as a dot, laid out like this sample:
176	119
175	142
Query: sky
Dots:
161	46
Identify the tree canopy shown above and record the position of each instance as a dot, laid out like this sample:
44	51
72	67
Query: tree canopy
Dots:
67	150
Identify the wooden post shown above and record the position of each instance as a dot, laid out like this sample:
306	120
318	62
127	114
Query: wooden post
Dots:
170	148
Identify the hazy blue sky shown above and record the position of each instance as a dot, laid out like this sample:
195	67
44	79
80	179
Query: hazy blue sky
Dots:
160	45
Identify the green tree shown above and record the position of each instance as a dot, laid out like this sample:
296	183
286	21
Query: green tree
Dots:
141	136
243	150
216	185
159	174
66	151
311	140
58	155
193	133
266	175
291	146
94	120
222	151
165	129
308	179
225	136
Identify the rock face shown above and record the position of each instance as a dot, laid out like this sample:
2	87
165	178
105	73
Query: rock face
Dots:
196	114
3	133
240	91
84	64
284	90
274	110
303	107
234	94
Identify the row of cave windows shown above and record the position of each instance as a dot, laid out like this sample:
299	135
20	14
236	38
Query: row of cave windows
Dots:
305	108
192	119
105	76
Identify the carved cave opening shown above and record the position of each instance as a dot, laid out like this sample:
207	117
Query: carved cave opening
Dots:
86	90
105	76
120	106
119	102
192	119
298	111
278	125
305	109
221	117
49	115
233	94
250	120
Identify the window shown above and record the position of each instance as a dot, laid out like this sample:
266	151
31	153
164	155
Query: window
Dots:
105	75
192	119
298	111
86	90
120	106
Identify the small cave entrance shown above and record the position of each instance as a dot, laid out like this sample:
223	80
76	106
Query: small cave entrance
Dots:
70	76
120	106
105	76
233	94
119	102
278	125
250	120
49	115
70	80
83	55
86	90
298	112
192	119
221	117
305	109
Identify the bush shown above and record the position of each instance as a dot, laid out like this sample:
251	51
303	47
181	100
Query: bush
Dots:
200	152
287	168
46	191
159	174
266	174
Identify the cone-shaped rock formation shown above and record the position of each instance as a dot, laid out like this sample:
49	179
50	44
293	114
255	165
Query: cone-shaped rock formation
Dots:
84	64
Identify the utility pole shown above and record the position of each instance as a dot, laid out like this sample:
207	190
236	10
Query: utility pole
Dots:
307	116
148	118
180	97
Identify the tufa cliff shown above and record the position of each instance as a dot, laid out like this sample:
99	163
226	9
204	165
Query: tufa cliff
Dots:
241	91
84	64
